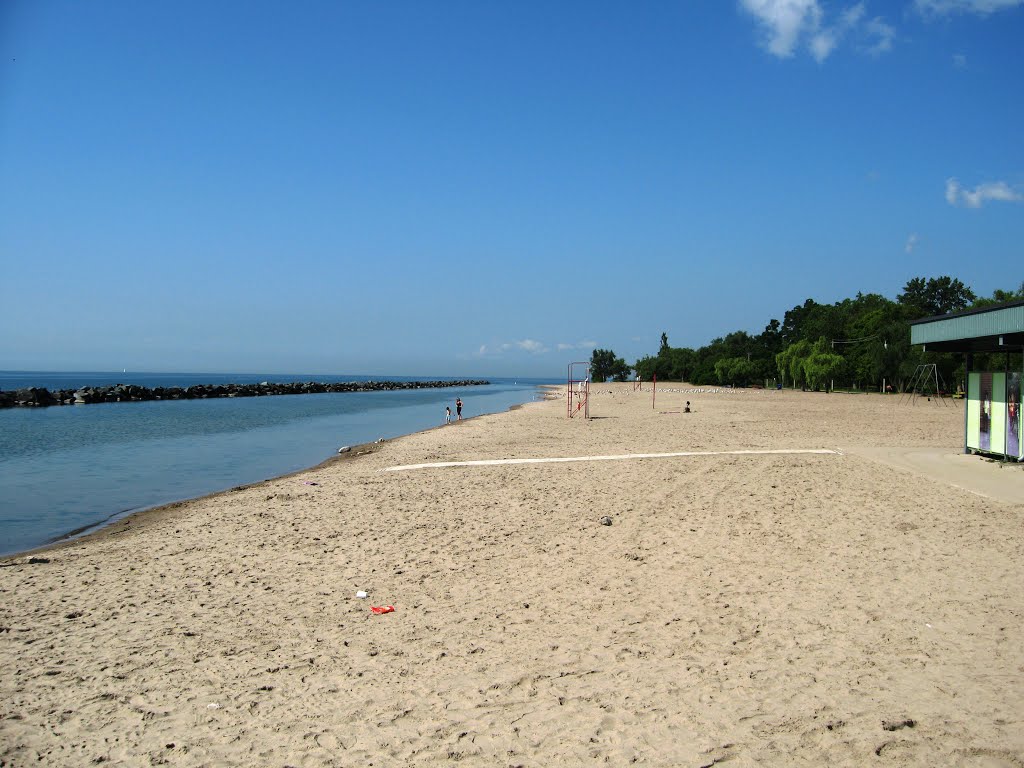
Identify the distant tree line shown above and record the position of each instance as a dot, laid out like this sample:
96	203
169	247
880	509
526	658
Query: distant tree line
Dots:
856	342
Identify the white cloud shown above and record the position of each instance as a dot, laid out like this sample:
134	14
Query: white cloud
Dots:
911	243
789	23
880	36
784	22
531	346
952	191
980	7
852	15
822	44
977	197
562	346
998	190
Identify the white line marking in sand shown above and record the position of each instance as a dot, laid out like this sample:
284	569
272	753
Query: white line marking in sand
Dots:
566	459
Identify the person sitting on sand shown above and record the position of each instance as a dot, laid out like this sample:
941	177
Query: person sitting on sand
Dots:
687	408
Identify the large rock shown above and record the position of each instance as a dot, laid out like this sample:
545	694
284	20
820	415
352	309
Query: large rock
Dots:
33	396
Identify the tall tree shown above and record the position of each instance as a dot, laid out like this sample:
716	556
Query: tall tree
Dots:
935	296
605	365
737	371
866	340
793	321
822	365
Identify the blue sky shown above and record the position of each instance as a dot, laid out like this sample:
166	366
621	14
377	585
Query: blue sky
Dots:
468	188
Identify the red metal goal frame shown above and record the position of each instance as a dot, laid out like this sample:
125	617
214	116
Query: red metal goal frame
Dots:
581	391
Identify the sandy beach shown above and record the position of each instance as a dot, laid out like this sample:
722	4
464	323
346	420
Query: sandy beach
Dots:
860	606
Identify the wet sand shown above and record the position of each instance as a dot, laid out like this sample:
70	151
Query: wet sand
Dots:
847	608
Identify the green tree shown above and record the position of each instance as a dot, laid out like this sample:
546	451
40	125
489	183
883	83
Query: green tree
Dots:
793	322
770	342
1000	296
736	344
646	367
605	365
822	365
862	340
670	364
935	296
681	361
790	362
874	323
737	371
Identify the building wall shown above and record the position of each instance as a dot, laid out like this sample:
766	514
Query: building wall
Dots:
973	412
994	414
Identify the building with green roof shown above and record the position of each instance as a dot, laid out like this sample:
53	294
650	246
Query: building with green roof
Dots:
992	419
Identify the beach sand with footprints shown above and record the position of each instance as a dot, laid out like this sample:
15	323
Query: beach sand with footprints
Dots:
862	605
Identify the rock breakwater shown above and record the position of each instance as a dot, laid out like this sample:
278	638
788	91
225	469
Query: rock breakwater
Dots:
128	393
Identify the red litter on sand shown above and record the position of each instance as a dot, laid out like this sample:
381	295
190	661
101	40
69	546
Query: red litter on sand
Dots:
382	608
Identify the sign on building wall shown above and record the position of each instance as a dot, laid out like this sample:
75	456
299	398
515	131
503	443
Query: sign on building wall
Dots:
1013	447
994	413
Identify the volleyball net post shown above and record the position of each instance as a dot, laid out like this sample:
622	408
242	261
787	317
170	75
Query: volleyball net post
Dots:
654	388
577	390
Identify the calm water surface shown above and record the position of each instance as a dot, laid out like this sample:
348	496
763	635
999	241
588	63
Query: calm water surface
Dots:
67	467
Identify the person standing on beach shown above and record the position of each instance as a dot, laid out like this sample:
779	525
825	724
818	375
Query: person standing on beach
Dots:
447	414
458	407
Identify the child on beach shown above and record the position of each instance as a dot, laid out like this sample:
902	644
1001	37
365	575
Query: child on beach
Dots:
447	414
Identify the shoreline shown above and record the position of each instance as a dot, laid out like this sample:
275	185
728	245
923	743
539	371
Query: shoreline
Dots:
750	599
136	518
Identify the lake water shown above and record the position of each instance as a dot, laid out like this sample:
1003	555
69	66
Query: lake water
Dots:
65	468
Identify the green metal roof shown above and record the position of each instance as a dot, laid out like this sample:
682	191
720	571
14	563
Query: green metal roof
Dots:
989	329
